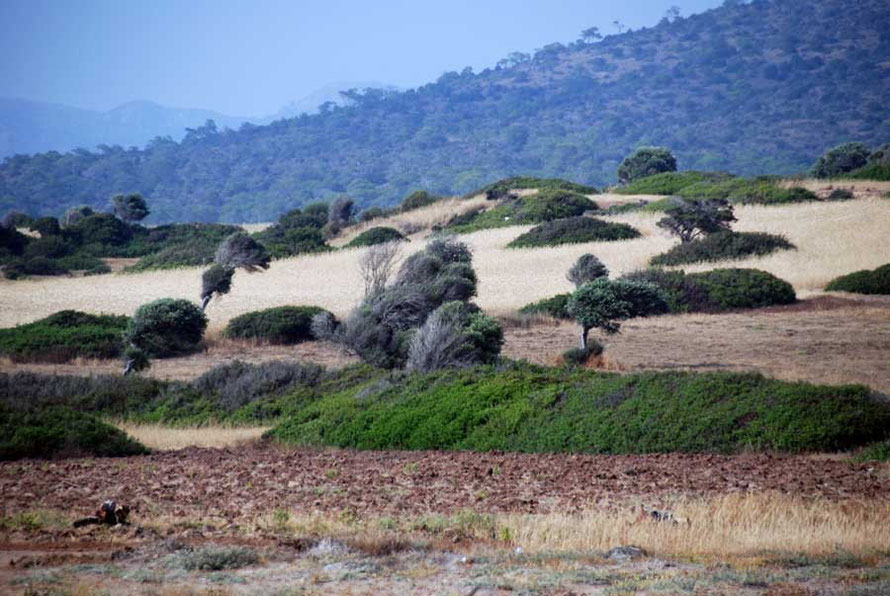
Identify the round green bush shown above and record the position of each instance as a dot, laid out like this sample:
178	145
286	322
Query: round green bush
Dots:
841	159
279	325
416	200
743	288
378	235
875	281
104	229
574	230
646	161
166	327
722	246
51	247
555	306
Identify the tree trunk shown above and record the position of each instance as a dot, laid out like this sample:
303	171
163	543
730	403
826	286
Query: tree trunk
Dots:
128	368
584	332
205	302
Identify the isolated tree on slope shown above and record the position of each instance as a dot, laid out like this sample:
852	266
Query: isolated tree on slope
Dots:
691	219
130	208
602	303
586	269
238	251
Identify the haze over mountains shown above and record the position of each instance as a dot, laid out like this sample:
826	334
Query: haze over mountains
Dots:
763	87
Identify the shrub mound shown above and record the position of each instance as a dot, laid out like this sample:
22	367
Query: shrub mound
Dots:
501	188
873	281
279	325
61	432
547	205
670	183
556	307
520	407
63	336
574	230
377	235
722	246
418	199
166	327
760	191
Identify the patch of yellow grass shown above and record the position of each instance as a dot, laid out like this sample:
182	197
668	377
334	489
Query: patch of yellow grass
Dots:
253	228
723	526
165	438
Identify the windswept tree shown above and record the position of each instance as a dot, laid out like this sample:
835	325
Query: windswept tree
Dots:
691	219
586	269
377	265
238	251
646	161
130	208
340	214
603	303
841	159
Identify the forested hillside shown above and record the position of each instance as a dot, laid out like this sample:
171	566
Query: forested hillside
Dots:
764	87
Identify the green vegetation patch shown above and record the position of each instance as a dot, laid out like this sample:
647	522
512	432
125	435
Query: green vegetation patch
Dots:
378	235
175	245
501	188
574	230
875	452
60	432
556	307
874	281
520	407
874	171
761	191
722	246
547	205
670	183
279	325
63	336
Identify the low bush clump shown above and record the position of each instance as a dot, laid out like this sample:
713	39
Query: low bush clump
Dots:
717	290
547	205
580	356
670	183
722	246
377	235
644	162
875	452
760	191
574	230
279	325
874	281
840	194
60	432
166	327
501	188
555	307
417	199
520	407
218	558
63	336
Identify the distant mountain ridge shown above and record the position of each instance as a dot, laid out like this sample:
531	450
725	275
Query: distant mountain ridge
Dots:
760	87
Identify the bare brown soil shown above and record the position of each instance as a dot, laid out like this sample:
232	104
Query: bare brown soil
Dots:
826	339
242	482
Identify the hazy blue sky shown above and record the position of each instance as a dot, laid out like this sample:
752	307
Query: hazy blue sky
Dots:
249	58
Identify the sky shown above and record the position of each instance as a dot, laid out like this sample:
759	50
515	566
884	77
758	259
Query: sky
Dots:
252	57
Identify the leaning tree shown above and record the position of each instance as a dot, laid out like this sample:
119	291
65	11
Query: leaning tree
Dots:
691	219
238	251
602	303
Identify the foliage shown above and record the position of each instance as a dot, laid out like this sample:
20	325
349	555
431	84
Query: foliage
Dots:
501	188
63	336
872	171
60	432
216	280
580	356
130	208
669	183
681	293
749	88
378	235
646	161
692	219
45	226
556	307
16	219
175	245
278	325
722	246
574	230
874	281
50	247
547	205
234	385
602	303
218	558
743	288
75	214
841	160
586	269
524	408
241	251
166	327
296	232
418	199
875	452
102	229
750	191
840	194
455	335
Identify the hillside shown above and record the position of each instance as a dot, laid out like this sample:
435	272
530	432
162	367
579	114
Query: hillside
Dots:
764	87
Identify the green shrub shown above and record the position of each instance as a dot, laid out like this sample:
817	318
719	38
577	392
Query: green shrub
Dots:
743	288
841	160
60	432
377	235
670	183
372	213
218	558
681	293
580	356
524	408
555	307
279	325
874	281
586	269
574	230
283	242
166	327
760	191
454	335
46	226
417	199
176	245
722	246
547	205
875	452
16	268
872	171
501	188
12	242
102	229
644	162
63	336
50	247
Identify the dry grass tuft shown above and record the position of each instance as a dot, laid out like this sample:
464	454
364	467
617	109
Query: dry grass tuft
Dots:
724	526
165	438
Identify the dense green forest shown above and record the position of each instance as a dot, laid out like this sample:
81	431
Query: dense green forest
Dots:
761	87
